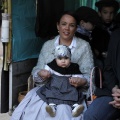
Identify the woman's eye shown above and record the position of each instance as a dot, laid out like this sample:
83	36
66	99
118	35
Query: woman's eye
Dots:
72	25
63	23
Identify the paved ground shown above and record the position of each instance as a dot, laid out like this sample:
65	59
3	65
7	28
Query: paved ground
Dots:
3	116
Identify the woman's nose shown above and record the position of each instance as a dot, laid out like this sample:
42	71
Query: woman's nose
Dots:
67	27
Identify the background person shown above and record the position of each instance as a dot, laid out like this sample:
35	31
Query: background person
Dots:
107	105
107	10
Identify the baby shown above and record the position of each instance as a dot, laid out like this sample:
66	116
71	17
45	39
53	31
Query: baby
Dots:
58	90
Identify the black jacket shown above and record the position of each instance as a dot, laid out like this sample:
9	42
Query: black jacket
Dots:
111	74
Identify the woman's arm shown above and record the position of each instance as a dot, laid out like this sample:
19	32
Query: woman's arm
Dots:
45	57
77	81
85	61
83	56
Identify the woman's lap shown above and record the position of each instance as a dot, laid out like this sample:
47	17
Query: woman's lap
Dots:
101	110
19	110
32	107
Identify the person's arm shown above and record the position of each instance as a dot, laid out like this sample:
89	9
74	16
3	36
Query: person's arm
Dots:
44	73
45	57
84	58
40	65
78	78
86	63
77	81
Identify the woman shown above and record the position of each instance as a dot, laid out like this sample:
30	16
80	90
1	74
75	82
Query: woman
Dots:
33	107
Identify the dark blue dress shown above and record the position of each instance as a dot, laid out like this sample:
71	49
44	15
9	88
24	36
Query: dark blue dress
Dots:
58	90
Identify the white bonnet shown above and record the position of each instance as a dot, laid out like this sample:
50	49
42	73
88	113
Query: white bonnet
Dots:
62	51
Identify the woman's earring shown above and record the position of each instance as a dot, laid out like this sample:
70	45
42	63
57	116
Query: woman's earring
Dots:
58	31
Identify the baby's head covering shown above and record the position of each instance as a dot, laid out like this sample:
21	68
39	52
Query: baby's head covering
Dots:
62	51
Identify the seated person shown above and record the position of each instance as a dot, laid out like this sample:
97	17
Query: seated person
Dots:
32	106
107	104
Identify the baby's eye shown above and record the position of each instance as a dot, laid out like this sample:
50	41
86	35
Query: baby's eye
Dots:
66	57
60	58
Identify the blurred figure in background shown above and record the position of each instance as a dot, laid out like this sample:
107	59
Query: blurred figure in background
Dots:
88	30
107	10
107	104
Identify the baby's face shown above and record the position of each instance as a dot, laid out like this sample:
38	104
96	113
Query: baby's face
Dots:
63	62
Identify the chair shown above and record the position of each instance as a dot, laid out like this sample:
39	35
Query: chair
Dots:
31	83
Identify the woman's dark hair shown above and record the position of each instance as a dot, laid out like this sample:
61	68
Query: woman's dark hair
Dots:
71	13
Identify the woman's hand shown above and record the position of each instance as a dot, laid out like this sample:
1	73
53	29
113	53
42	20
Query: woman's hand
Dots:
116	97
76	81
45	74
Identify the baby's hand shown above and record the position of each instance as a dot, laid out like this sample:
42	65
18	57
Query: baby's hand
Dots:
45	74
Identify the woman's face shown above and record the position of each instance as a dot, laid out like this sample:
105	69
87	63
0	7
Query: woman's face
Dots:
107	14
67	27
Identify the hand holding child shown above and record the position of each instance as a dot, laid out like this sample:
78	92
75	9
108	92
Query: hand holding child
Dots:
77	81
45	74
